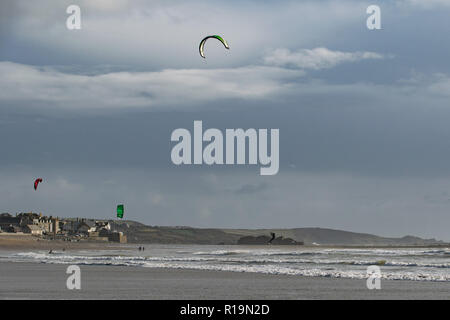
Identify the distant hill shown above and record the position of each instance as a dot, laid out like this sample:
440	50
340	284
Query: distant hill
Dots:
139	233
336	237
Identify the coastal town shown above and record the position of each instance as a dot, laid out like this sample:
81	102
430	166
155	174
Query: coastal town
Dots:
54	228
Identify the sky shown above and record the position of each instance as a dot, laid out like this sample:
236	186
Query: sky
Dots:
362	114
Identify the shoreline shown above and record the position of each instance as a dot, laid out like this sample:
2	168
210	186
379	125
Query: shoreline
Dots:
26	241
27	280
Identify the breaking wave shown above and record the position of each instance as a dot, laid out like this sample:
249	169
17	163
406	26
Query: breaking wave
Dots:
395	264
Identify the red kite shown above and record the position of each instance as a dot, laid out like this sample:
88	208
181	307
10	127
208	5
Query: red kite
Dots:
36	182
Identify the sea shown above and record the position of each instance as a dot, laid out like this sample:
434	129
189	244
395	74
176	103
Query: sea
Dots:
418	264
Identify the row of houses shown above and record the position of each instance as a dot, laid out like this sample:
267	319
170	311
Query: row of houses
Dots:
28	223
84	226
39	225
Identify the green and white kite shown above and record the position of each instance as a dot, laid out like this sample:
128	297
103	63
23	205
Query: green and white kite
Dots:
202	44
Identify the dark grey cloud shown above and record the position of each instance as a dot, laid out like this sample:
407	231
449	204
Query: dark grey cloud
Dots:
363	123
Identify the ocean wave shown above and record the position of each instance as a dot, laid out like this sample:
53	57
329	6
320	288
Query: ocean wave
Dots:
221	252
262	263
222	259
256	253
265	269
314	272
388	252
339	251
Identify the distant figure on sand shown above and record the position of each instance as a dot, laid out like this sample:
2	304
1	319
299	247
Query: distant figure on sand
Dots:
50	252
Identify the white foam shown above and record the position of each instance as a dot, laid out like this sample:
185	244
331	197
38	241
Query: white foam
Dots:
398	264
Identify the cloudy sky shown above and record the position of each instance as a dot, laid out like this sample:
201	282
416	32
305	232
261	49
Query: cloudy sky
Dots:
363	114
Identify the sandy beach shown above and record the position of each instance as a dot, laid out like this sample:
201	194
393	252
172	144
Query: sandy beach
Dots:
48	281
14	241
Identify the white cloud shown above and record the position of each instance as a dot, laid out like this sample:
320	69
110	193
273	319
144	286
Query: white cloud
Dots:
186	89
162	34
441	86
33	86
318	58
434	85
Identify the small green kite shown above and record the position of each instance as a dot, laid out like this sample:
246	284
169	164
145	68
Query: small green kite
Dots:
120	211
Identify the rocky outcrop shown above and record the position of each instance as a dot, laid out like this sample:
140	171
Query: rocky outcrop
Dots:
259	240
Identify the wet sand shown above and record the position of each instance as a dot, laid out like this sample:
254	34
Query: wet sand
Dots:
48	281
